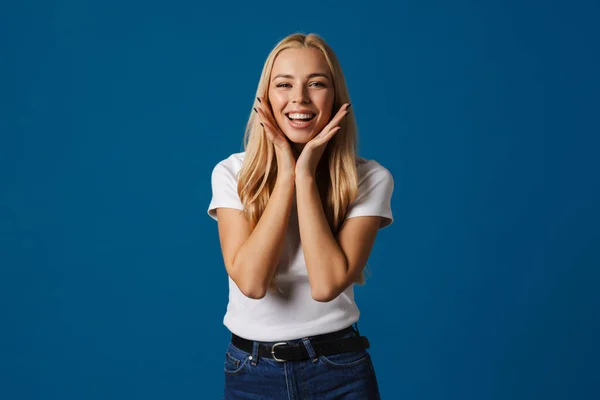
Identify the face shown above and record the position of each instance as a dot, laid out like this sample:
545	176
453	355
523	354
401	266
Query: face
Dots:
301	94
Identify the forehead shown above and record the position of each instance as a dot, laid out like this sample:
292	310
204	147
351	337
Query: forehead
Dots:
300	62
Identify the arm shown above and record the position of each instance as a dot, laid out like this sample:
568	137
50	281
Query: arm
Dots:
332	263
251	256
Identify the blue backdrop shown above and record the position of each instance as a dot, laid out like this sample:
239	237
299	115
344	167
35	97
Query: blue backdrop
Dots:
114	113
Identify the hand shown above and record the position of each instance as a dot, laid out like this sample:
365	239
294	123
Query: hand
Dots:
307	162
286	162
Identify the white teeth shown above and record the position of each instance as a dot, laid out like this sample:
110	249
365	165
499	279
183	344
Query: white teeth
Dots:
300	116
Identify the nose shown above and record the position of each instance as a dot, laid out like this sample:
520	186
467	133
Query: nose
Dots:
300	95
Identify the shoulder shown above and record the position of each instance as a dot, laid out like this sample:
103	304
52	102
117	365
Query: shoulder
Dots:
230	165
224	181
234	161
369	170
375	188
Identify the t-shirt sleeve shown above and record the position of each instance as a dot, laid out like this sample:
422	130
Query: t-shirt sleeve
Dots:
374	195
224	189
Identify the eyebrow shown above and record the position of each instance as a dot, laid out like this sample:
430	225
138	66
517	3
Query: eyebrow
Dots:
313	75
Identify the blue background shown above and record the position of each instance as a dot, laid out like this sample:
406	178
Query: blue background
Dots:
114	113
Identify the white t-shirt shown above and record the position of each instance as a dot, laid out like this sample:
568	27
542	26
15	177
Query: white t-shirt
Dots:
292	313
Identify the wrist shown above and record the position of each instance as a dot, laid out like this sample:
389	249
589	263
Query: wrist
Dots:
286	176
304	177
285	161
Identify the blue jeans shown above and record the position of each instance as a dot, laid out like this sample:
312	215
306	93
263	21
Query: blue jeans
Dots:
340	376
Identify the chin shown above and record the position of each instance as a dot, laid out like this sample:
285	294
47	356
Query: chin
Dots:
299	138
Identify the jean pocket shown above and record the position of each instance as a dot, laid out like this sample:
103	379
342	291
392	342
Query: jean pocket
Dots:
234	362
345	360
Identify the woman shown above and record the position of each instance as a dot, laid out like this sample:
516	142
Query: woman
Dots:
298	212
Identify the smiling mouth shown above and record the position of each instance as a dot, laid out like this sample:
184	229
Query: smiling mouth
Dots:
300	117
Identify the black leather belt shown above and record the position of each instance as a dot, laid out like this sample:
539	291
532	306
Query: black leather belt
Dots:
323	345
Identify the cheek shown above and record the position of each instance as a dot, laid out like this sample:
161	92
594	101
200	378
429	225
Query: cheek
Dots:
326	105
327	111
277	101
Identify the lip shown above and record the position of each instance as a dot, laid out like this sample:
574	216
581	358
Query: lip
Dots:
300	112
301	125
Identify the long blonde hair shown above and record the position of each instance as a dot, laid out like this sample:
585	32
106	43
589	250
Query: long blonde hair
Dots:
338	187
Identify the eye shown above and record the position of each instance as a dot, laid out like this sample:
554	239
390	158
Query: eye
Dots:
319	84
283	85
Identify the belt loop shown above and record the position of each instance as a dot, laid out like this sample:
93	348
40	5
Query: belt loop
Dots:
254	356
311	351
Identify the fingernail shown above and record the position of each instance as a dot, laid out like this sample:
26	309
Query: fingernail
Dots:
255	110
258	98
349	106
261	124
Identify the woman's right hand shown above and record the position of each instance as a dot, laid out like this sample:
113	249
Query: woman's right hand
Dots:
286	162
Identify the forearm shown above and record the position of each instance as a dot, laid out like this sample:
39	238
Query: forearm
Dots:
325	261
256	261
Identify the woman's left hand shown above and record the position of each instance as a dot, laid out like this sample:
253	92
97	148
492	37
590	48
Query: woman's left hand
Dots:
307	162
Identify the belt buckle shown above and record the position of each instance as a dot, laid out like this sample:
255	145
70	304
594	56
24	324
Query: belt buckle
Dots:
273	351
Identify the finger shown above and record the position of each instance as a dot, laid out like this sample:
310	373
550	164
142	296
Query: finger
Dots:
332	127
263	100
268	130
325	136
342	112
265	116
273	134
269	124
264	106
331	133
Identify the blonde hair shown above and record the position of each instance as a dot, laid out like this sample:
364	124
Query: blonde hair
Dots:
336	174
